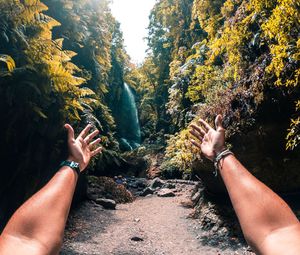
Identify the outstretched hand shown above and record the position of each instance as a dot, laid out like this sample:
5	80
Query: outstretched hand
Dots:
83	148
210	141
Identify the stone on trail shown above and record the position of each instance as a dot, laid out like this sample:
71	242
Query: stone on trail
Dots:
141	182
146	191
136	239
165	193
137	183
107	203
156	183
196	196
169	186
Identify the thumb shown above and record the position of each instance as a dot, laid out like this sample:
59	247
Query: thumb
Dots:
70	131
218	122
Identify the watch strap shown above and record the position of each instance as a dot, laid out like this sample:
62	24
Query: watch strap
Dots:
72	164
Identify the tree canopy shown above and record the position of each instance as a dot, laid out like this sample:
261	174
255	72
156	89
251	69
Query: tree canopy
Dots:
60	61
229	57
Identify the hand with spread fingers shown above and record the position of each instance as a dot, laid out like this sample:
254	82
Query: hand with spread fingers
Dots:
82	148
210	141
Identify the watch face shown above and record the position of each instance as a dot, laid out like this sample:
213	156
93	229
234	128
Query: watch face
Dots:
74	164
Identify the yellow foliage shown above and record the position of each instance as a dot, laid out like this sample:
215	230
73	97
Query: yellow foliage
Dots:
30	9
208	14
180	152
282	30
205	79
8	60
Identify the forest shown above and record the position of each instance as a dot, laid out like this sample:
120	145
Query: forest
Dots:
64	61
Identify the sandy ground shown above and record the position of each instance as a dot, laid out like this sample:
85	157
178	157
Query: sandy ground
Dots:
162	224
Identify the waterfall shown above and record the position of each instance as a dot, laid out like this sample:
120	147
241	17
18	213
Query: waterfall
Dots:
129	126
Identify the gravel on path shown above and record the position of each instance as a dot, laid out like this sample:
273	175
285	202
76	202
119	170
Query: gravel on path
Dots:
148	226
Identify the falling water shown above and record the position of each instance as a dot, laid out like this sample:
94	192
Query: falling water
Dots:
129	125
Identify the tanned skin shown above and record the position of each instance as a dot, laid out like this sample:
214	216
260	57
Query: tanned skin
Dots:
37	227
269	225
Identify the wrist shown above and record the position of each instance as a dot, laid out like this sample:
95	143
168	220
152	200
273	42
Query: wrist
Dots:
71	158
222	160
70	163
218	151
220	157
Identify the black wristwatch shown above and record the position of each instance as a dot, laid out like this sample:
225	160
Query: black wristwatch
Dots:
72	164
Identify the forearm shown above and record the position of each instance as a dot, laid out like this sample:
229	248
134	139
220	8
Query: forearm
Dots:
259	209
43	217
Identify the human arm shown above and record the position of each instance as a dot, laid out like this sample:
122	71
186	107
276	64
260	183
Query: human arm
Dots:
268	224
37	227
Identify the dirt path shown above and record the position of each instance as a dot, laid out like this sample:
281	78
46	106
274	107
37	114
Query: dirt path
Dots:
161	223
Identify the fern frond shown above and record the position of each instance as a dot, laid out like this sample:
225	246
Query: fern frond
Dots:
86	92
9	62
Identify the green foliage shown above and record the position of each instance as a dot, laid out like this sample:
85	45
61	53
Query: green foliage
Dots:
227	56
144	79
180	154
172	32
56	59
247	44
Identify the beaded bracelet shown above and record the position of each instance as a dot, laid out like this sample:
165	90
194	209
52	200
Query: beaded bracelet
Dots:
218	157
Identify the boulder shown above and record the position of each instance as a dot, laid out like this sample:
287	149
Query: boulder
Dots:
156	183
106	203
146	191
169	186
165	193
141	182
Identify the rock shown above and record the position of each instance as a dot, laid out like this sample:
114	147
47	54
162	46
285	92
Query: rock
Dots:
132	185
187	203
196	196
169	186
137	183
141	182
107	203
136	239
156	183
146	191
165	193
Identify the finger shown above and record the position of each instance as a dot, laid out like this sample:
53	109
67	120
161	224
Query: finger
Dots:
91	136
95	152
199	129
218	123
197	135
70	132
85	131
196	144
205	124
92	144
